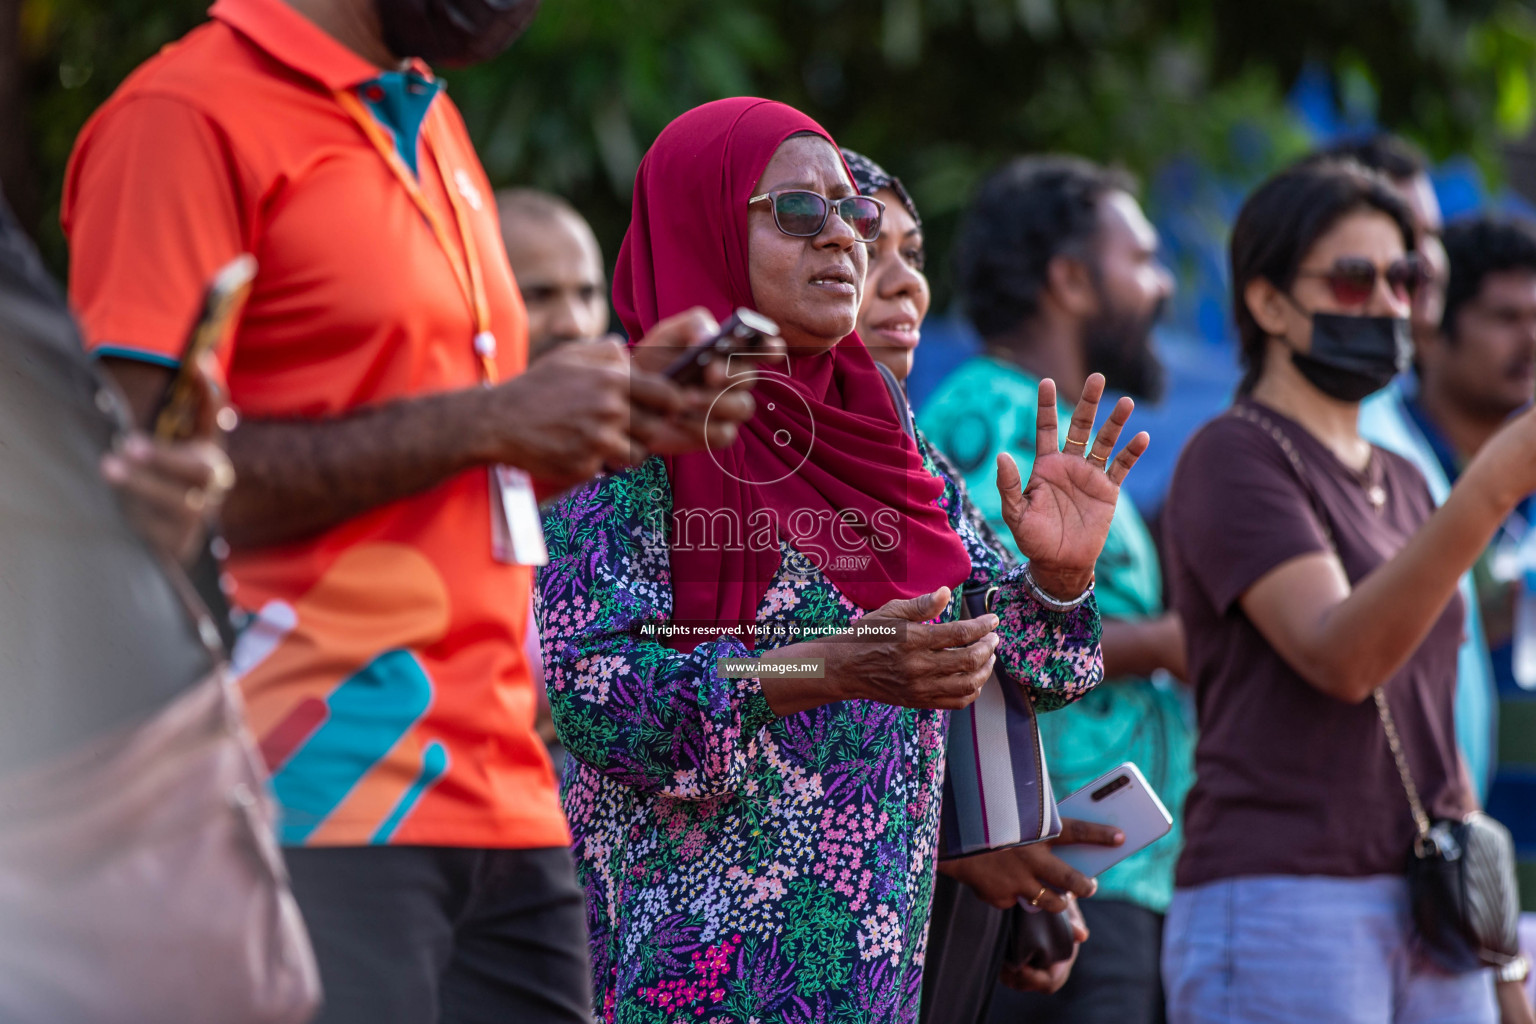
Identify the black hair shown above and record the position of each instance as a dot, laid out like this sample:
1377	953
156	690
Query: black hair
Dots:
1024	215
1384	153
1281	221
1479	246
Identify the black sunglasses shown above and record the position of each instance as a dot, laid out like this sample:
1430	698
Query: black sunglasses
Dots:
1352	279
803	214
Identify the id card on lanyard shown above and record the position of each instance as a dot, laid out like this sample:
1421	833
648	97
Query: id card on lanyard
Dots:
517	538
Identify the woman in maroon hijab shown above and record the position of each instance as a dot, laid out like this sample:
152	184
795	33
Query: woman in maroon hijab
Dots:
755	843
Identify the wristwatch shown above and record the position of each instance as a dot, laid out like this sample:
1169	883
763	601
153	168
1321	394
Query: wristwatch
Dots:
1517	969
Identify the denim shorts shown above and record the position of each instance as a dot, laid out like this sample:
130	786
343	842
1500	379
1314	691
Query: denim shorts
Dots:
1292	949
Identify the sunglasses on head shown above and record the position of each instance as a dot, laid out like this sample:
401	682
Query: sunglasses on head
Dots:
803	214
1352	279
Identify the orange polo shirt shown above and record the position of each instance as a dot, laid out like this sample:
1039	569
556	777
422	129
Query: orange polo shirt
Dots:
383	663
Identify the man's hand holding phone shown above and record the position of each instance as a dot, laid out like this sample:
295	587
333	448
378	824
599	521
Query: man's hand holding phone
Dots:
713	400
593	406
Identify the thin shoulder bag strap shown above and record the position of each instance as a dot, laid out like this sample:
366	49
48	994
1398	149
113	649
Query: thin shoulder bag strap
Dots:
899	400
1388	725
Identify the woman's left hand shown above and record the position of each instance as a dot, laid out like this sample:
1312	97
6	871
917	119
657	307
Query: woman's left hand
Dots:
1060	520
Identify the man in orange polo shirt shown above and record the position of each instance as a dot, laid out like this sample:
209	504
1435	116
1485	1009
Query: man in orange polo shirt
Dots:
380	507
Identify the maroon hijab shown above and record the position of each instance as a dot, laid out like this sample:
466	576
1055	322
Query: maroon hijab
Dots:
824	464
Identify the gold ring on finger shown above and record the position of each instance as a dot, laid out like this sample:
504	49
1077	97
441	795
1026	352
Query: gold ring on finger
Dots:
1040	896
1102	460
1073	440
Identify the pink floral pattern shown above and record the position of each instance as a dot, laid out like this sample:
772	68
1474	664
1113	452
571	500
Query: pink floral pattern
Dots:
740	866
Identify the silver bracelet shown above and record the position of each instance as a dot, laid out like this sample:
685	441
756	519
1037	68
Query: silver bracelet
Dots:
1048	602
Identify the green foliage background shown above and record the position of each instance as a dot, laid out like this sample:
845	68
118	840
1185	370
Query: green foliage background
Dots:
937	90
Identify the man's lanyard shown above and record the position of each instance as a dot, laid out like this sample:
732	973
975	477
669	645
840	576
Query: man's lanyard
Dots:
516	536
471	280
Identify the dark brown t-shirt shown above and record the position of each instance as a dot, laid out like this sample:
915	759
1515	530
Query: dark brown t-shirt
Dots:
1290	781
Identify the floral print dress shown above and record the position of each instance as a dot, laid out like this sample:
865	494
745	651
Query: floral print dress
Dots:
739	866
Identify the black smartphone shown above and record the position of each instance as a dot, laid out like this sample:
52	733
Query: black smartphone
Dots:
742	331
176	415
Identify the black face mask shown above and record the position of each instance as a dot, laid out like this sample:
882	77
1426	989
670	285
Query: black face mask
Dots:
453	33
1354	356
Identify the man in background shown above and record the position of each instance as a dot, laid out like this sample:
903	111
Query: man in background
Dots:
1472	375
1058	270
559	268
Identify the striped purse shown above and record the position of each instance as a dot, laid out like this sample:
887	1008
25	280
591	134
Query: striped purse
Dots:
997	791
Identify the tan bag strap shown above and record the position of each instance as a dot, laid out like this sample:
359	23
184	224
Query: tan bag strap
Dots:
1388	725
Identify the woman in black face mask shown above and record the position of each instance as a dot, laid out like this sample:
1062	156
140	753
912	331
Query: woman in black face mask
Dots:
1311	569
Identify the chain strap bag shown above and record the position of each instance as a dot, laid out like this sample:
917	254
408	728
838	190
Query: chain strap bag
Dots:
1461	874
1461	879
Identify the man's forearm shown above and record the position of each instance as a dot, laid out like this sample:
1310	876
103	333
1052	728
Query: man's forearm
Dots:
297	478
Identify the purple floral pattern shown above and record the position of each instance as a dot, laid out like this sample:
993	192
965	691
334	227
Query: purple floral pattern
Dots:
740	866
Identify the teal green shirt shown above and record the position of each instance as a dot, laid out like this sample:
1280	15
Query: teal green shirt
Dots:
986	407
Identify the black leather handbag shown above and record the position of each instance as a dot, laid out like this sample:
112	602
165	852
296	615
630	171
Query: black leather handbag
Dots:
1461	880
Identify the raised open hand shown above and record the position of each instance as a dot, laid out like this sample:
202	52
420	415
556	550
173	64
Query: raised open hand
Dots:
1060	520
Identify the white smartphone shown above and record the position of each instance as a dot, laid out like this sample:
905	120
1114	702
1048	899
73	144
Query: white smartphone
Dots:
1121	798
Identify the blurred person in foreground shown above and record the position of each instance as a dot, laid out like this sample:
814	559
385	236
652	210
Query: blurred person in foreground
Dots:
109	684
1385	419
969	928
1311	568
1057	268
65	448
558	266
390	455
757	839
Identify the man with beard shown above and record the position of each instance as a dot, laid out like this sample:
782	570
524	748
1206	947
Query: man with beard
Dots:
390	456
1058	270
